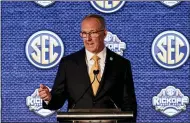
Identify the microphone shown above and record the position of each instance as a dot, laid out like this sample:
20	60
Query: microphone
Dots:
95	74
105	90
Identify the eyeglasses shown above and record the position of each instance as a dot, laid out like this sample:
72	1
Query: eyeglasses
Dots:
91	34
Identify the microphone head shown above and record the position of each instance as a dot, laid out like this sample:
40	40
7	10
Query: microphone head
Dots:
96	72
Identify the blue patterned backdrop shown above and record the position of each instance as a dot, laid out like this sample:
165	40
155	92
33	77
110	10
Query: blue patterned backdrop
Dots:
136	24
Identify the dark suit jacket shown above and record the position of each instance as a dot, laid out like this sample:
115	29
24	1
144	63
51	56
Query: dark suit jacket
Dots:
73	79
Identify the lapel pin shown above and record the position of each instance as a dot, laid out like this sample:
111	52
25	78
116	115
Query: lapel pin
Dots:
111	58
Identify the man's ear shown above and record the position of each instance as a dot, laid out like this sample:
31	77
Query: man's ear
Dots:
105	33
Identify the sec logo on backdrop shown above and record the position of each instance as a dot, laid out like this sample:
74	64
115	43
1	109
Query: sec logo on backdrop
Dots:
109	6
170	101
114	43
170	49
170	3
44	3
44	49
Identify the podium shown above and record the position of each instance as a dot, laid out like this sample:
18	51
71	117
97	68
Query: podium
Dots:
93	116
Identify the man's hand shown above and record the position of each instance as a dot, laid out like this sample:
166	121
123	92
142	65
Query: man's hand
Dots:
44	93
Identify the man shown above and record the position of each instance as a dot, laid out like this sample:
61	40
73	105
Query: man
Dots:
94	77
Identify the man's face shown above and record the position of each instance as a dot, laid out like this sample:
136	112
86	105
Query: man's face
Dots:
94	35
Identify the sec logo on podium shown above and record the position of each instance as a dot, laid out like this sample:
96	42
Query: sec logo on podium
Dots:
44	49
107	6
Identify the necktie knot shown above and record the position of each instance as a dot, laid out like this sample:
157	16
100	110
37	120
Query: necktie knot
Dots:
95	58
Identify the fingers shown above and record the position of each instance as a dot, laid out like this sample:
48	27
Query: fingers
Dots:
45	97
44	93
42	86
40	89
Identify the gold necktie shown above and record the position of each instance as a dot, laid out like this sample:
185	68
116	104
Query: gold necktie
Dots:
95	66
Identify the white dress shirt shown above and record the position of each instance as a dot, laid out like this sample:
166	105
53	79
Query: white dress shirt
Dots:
90	61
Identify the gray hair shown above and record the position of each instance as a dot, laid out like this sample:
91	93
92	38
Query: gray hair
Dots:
100	19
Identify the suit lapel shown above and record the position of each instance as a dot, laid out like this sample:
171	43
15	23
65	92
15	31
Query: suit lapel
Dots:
107	70
82	66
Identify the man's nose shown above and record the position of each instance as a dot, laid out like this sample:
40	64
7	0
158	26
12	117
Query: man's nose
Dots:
88	37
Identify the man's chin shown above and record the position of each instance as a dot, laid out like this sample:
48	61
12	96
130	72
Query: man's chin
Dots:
92	50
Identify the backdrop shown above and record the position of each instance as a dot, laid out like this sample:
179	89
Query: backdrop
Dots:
136	23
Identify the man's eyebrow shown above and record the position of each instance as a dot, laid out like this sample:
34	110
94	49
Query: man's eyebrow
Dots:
88	31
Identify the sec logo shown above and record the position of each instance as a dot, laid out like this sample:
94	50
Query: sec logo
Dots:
170	3
109	6
44	49
170	49
44	3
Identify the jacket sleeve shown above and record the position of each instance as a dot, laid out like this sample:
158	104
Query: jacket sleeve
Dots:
58	92
129	98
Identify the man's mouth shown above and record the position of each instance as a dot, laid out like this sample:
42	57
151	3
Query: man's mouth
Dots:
90	44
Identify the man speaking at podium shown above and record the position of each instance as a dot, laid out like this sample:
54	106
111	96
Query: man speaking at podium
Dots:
94	77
